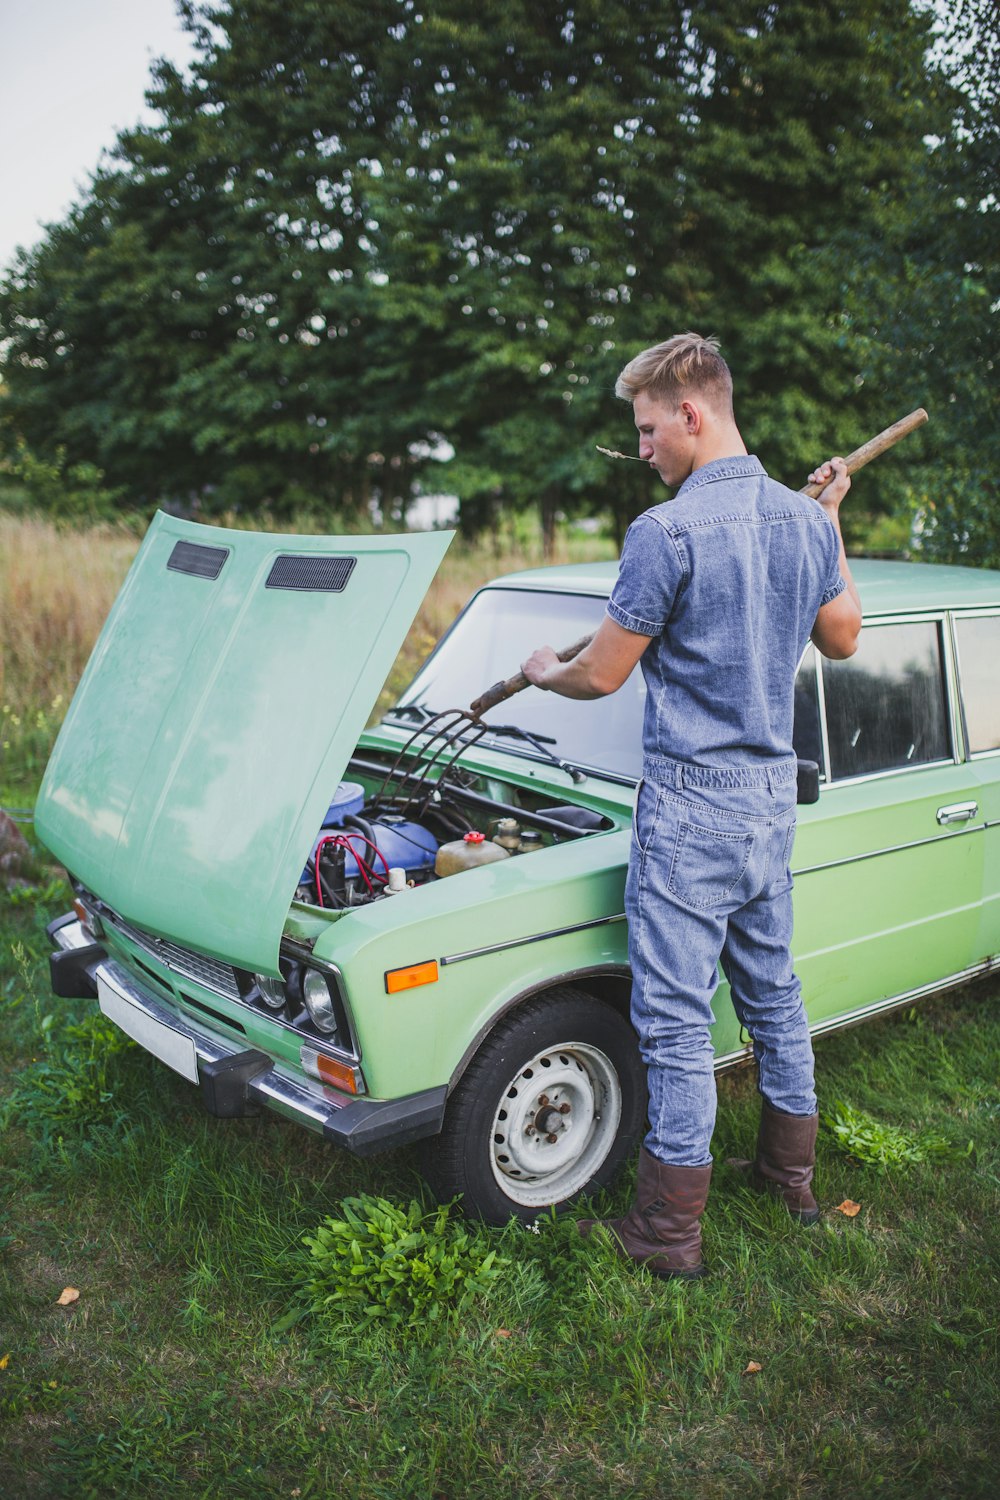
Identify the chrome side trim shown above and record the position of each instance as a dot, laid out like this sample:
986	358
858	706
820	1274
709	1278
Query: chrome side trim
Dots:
537	937
956	717
953	981
877	1007
856	859
924	765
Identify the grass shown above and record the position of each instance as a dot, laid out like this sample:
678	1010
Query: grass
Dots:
187	1367
190	1366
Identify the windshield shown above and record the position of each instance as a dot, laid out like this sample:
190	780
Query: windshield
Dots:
488	643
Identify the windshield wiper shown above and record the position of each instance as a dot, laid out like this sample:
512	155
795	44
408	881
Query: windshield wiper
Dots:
541	742
418	711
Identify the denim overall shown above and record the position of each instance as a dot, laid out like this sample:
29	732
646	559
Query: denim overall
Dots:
728	577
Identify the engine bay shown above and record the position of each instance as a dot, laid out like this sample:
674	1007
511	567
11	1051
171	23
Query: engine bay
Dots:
424	816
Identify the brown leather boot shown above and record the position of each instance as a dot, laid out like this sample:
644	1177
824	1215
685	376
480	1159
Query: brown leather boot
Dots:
662	1230
786	1156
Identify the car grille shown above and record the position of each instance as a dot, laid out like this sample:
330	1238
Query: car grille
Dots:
209	972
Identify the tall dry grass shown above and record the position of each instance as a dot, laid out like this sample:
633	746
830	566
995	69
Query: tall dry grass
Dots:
56	587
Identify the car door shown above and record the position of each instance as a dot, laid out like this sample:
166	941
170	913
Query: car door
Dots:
888	865
977	648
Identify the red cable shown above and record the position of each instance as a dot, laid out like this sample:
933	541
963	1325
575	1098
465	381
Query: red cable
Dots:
365	868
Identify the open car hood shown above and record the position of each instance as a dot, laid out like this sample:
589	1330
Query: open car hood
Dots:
215	718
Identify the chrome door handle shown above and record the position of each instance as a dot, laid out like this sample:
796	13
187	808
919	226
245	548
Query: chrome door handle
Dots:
958	812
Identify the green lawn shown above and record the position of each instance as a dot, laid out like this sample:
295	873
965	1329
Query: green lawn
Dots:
187	1368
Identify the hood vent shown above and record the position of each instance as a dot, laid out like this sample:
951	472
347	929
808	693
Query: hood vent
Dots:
324	575
198	560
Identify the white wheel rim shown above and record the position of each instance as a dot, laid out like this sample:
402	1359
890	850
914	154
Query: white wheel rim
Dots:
555	1124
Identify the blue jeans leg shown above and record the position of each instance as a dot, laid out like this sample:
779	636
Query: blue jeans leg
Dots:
709	879
767	997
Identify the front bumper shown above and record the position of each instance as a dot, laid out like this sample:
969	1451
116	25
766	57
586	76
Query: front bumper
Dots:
235	1083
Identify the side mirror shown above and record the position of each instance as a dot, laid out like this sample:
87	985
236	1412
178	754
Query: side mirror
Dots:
808	782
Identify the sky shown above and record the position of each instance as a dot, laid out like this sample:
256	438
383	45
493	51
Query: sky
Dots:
75	72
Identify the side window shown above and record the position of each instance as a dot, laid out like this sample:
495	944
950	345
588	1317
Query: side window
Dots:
806	735
886	706
978	654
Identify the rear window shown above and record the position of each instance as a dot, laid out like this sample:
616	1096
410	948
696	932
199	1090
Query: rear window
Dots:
978	655
886	706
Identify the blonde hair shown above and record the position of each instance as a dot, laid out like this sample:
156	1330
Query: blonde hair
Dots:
685	362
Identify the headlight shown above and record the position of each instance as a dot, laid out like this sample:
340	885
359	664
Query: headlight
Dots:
271	991
319	1001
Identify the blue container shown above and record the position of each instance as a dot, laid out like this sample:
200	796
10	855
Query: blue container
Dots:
348	802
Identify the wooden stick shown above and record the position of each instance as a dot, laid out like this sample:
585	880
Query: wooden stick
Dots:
874	447
501	691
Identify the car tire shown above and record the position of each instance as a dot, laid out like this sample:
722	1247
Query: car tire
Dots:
549	1109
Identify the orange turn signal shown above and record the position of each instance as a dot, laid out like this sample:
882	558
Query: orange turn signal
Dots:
339	1074
409	978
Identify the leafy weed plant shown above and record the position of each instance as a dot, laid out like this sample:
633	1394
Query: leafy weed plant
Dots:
401	1265
867	1140
71	1086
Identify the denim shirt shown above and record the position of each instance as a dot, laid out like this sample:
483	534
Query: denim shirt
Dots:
728	576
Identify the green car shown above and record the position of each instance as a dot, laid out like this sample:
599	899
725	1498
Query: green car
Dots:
415	932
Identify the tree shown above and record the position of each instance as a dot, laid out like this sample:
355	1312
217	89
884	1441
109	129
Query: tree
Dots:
925	302
365	235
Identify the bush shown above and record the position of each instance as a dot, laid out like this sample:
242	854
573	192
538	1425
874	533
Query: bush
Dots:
66	491
401	1265
869	1141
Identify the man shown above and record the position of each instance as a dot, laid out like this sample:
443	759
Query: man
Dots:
718	593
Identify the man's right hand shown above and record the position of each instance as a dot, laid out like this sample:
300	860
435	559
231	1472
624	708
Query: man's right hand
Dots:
836	482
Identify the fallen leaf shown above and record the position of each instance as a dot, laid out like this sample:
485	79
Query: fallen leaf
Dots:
848	1207
753	1368
503	1333
4	1362
68	1295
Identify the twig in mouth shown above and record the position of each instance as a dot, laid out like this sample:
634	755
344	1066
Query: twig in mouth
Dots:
613	453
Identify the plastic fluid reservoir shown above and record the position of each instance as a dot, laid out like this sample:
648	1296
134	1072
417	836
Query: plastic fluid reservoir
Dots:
508	834
465	854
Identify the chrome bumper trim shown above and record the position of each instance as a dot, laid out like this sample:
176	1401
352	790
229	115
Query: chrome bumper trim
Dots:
361	1125
272	1089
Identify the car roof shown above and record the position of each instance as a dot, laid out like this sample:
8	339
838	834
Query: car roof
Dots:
885	586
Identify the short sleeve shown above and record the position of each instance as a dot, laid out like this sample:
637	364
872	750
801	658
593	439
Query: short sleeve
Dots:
834	584
650	573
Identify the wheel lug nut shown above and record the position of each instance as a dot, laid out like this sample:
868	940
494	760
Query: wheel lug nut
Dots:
551	1139
564	1109
543	1099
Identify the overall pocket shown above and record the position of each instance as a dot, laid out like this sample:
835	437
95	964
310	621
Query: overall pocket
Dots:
708	864
647	803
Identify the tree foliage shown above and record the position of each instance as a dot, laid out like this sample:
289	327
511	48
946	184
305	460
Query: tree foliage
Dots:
365	236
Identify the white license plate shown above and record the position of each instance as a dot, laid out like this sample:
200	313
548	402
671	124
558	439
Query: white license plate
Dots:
171	1047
